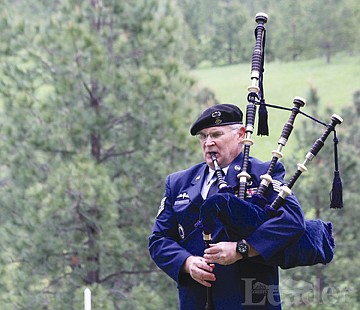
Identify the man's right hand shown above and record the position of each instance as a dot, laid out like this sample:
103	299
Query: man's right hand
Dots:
199	270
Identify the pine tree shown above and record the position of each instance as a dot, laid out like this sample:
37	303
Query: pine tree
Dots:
96	106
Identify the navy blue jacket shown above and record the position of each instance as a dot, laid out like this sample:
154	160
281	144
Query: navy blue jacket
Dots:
246	284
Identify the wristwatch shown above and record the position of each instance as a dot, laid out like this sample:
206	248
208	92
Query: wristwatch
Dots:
243	249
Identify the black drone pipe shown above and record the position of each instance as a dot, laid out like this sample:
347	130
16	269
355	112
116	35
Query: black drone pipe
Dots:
253	91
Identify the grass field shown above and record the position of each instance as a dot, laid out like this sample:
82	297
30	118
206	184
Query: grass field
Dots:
335	83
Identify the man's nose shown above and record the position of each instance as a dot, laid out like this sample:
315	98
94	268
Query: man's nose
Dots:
209	140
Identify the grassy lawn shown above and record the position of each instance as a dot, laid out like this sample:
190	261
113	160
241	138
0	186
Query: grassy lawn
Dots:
335	83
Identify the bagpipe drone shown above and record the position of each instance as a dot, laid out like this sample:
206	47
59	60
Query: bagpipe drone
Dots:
239	217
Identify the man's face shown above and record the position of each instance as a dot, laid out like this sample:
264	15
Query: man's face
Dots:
224	141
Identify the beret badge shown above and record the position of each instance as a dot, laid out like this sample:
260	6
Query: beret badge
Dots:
217	115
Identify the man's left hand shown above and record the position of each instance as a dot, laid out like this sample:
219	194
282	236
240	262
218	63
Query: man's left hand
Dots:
223	253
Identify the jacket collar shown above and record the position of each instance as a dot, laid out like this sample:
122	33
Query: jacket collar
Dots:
194	191
234	169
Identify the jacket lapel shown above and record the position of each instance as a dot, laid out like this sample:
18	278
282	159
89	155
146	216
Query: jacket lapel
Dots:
194	191
234	169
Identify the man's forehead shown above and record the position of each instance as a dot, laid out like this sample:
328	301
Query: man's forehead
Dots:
215	129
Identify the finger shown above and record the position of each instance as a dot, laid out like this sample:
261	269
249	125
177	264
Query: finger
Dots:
211	260
211	250
207	266
201	267
211	255
205	271
207	277
215	255
207	284
203	277
219	244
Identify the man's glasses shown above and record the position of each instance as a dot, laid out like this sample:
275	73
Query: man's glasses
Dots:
216	135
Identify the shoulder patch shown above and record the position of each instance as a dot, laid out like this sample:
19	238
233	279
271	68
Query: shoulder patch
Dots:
162	206
276	185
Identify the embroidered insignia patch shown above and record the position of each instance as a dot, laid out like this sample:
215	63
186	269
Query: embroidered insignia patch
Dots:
162	206
183	196
276	185
181	202
251	191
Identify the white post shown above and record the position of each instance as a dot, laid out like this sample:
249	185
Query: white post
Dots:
87	299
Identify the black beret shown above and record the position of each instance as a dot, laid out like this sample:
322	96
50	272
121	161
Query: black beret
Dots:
217	115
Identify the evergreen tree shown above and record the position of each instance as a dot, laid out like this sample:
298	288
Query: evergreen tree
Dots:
96	106
223	30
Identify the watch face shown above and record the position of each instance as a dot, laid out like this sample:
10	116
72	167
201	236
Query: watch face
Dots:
242	248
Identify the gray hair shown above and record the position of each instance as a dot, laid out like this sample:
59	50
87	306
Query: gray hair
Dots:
236	126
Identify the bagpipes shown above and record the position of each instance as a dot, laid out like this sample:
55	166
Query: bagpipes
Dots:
239	217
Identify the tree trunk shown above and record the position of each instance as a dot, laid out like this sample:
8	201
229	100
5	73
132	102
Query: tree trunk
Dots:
328	52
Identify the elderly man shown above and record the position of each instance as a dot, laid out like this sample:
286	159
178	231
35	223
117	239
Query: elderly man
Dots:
236	271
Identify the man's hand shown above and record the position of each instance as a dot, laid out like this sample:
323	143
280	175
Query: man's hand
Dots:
199	270
224	253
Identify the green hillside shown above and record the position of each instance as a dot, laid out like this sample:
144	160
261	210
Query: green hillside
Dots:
335	83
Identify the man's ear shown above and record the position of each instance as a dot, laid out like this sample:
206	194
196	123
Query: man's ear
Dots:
241	132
